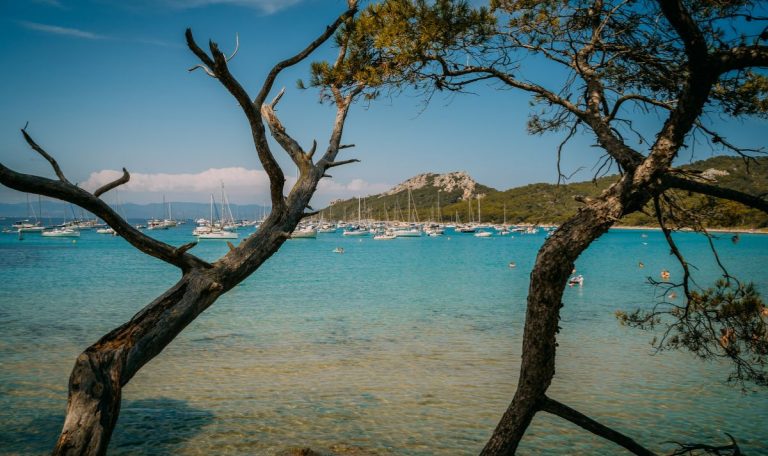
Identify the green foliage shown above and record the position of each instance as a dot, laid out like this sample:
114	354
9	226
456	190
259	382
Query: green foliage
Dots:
389	42
745	95
728	320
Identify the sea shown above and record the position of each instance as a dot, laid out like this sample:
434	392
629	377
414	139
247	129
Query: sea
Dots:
402	347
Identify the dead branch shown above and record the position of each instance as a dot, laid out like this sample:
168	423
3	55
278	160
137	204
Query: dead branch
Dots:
329	31
700	448
554	407
341	162
671	181
66	191
218	65
115	183
44	154
674	249
290	145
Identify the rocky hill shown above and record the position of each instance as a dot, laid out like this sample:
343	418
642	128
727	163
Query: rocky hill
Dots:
548	203
425	191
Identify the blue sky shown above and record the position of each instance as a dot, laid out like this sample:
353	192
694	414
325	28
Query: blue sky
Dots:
104	85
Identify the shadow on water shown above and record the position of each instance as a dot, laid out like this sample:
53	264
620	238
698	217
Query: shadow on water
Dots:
149	427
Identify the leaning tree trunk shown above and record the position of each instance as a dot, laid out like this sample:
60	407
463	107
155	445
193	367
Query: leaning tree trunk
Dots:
554	264
101	371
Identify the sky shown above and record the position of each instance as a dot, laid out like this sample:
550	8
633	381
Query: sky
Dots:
104	85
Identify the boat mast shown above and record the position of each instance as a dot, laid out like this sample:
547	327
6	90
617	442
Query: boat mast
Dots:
409	205
439	214
478	209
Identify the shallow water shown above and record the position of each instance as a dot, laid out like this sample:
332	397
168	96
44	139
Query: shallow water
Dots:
404	347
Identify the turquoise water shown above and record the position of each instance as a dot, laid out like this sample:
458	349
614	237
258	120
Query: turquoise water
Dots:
409	346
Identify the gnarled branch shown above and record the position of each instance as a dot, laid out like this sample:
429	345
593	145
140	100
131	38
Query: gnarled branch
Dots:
329	31
671	181
554	407
219	67
71	193
115	183
341	162
44	154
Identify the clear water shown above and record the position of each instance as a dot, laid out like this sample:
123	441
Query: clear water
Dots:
409	346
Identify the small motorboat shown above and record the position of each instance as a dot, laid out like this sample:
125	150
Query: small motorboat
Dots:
576	280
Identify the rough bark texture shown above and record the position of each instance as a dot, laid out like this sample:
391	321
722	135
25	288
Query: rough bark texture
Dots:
105	367
645	175
549	276
563	411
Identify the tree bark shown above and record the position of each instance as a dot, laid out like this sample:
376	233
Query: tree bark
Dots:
554	264
101	371
563	411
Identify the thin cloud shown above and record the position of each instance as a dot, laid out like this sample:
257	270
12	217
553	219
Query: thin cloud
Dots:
237	180
356	187
56	30
77	33
242	185
265	6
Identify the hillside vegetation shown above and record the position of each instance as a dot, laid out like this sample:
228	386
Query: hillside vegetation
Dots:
549	203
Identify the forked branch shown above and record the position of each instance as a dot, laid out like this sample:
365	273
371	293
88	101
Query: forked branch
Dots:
66	191
329	31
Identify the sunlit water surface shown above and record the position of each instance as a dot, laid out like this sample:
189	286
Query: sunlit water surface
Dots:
404	347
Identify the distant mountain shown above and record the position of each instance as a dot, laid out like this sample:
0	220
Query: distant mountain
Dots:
425	189
180	210
549	203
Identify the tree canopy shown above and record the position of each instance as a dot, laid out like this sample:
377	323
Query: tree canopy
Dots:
643	78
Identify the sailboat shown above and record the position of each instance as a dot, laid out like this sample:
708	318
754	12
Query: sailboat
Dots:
436	229
304	232
65	230
214	230
481	233
504	229
411	230
325	227
469	227
61	232
358	230
26	225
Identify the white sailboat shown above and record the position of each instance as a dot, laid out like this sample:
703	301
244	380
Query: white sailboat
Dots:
27	225
304	232
358	230
411	230
214	230
66	229
61	232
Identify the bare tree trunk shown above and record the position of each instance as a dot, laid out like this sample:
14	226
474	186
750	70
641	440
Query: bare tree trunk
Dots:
549	276
101	371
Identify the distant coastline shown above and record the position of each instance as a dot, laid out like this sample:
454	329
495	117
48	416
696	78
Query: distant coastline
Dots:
713	230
